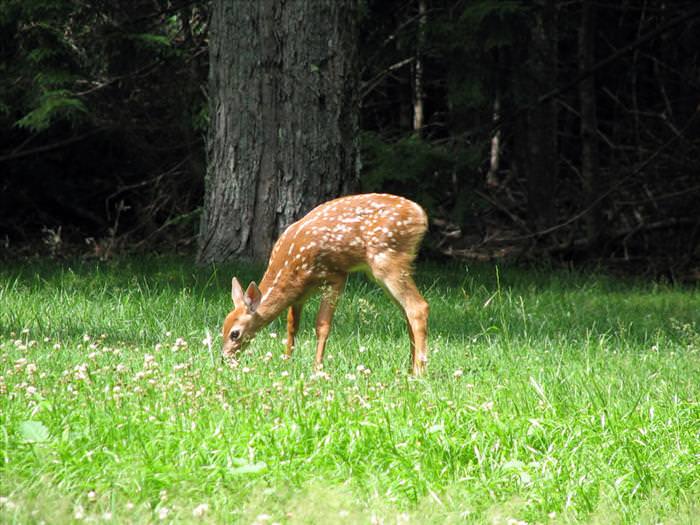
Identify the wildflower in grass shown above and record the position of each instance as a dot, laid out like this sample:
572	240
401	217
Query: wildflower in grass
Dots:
273	335
86	338
163	513
163	494
284	373
107	516
458	373
179	344
149	361
7	503
80	372
31	390
320	374
92	495
129	506
200	510
267	357
79	512
362	349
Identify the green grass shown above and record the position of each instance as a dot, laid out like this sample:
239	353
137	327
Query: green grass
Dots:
550	397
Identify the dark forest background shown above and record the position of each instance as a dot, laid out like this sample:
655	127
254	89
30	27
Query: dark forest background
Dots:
549	132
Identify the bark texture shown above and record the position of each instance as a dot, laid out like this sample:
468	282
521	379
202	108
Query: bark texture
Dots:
284	119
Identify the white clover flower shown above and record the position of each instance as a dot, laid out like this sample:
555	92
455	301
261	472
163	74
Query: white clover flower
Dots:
458	373
79	513
200	510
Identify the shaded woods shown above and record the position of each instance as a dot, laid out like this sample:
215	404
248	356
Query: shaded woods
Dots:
536	131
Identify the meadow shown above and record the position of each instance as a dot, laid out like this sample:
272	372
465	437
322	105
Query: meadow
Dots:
551	397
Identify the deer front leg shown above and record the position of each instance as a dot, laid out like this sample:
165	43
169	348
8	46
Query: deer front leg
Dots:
293	320
329	299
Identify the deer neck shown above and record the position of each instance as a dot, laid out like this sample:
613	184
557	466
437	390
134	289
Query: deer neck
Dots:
277	295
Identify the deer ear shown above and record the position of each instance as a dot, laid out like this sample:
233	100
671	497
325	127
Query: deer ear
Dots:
236	293
252	297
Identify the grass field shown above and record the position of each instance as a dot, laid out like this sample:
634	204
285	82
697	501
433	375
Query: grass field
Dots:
550	397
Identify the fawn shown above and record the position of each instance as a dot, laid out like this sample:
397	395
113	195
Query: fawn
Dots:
376	233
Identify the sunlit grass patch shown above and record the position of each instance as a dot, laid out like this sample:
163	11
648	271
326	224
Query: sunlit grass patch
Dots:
549	398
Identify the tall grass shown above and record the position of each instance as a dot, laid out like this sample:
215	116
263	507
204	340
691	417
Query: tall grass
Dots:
550	397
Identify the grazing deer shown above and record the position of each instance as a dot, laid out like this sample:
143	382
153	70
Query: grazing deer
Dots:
374	232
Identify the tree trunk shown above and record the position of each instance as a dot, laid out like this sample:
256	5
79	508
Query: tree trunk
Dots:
543	173
284	119
589	125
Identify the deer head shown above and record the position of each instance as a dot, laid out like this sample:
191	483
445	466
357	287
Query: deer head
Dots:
243	321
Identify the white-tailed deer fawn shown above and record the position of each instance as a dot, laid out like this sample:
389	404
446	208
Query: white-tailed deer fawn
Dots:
377	233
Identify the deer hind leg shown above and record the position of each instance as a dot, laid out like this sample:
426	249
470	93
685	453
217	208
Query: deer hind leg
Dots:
293	320
399	283
329	299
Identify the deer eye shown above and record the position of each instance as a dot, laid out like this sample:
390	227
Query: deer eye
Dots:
235	334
